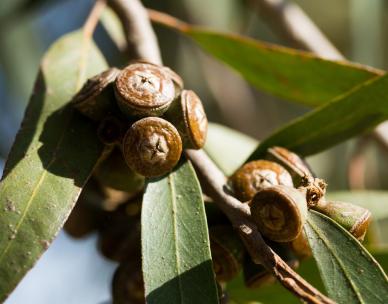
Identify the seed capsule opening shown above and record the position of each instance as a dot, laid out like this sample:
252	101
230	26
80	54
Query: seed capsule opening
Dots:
257	175
279	212
144	89
152	146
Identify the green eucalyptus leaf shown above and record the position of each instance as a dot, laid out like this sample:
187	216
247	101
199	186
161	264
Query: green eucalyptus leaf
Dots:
53	155
346	116
228	148
287	73
177	264
349	273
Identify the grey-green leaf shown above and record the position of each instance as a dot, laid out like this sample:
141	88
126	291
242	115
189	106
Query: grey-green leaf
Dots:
291	74
349	273
177	264
54	153
346	116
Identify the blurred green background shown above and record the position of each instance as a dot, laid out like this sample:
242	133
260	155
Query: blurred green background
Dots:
27	28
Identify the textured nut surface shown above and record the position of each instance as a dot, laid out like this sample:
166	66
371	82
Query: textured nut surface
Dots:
195	118
86	100
279	212
144	89
257	175
152	146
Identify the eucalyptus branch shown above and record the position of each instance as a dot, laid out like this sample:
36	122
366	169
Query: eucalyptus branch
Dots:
131	12
141	39
94	15
239	214
289	21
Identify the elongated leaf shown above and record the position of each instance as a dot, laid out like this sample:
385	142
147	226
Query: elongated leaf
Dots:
177	265
52	157
350	274
291	74
339	120
228	148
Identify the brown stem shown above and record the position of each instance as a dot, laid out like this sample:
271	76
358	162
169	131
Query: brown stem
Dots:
239	214
290	22
141	39
94	16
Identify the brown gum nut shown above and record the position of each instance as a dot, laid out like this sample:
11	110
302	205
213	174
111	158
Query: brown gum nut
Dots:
257	175
279	212
189	117
353	218
144	89
96	99
227	252
178	81
152	147
294	164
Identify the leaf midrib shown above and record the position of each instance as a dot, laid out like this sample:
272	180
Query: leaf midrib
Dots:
175	232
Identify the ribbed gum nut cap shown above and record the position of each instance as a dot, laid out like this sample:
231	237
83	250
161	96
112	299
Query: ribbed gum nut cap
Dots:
86	100
144	89
257	175
152	146
195	119
279	212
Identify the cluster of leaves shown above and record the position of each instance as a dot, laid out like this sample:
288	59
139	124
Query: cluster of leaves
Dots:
56	151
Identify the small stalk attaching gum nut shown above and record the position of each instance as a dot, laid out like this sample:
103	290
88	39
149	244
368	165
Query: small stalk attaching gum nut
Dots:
279	212
257	175
292	162
152	146
96	98
227	252
144	89
188	116
353	218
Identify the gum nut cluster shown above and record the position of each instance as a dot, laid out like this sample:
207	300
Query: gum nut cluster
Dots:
279	207
163	118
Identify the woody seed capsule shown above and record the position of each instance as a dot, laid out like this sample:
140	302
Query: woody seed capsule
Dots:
152	146
94	100
257	175
144	89
189	117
